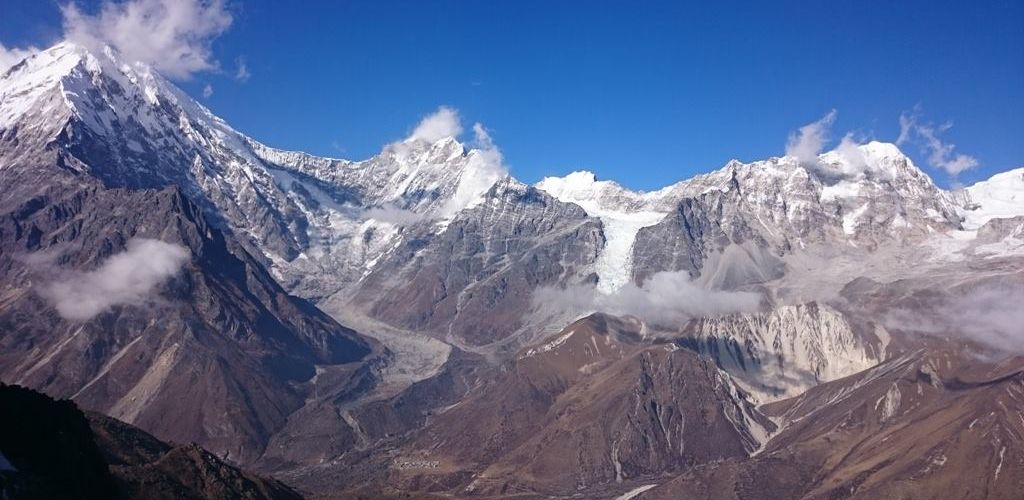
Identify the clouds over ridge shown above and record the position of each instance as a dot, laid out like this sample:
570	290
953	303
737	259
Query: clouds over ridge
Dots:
9	56
484	165
989	314
129	277
173	36
806	143
666	299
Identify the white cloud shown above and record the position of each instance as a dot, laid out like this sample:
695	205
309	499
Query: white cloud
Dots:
484	163
940	154
485	166
989	314
906	127
208	91
392	214
481	138
809	140
666	299
853	160
173	36
440	124
11	56
242	74
125	278
849	162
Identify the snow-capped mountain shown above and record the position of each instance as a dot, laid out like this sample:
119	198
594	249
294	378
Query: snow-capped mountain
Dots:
869	196
439	254
126	125
349	229
999	197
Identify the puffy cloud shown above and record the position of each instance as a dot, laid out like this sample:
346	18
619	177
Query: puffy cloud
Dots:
485	166
208	91
13	55
242	74
125	278
392	214
666	299
805	143
440	124
941	154
853	160
848	162
173	36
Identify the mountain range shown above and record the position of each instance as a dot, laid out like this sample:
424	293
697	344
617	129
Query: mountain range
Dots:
421	322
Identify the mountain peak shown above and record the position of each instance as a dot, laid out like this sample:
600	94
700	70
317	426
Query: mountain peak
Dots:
574	181
70	77
882	149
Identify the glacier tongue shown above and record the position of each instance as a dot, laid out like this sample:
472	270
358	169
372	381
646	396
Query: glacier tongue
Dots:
623	214
614	265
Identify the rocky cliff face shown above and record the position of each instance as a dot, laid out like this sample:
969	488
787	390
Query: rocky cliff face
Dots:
918	426
782	353
215	354
340	228
595	405
472	281
434	249
52	450
769	209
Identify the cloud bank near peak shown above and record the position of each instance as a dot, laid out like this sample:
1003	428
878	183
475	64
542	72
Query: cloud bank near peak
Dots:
484	163
486	166
127	278
9	56
845	162
173	36
808	141
444	122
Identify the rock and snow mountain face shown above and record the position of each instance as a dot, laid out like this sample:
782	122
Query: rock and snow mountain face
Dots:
745	217
1000	197
219	354
622	213
594	406
371	234
325	227
433	238
782	353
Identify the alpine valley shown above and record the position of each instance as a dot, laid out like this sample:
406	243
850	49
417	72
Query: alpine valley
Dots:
420	323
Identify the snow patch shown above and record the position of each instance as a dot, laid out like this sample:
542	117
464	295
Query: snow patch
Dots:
633	493
550	345
890	403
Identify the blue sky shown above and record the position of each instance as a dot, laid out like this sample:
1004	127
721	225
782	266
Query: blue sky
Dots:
645	93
